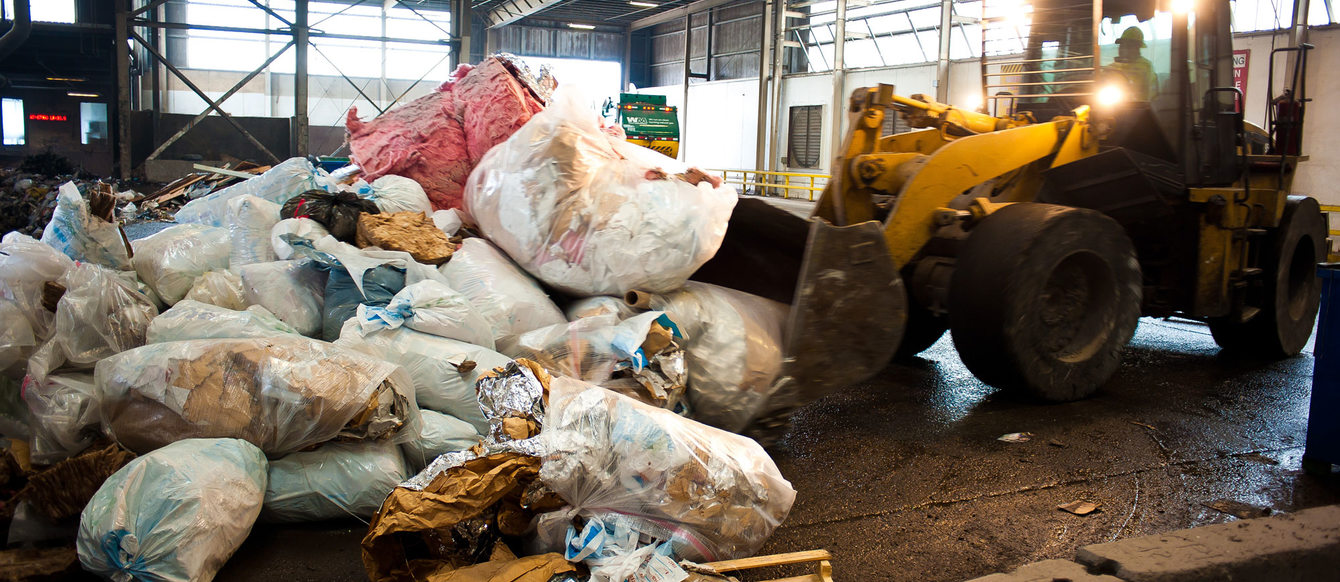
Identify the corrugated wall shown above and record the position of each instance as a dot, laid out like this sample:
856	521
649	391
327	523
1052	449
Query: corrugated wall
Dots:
734	33
539	40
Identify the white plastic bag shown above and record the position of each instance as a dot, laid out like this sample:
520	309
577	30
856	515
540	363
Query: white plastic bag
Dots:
220	288
189	320
26	265
74	230
171	259
65	415
286	180
292	290
429	307
448	221
709	494
176	514
441	434
505	295
734	344
280	393
304	228
250	220
337	480
394	193
99	315
434	363
591	214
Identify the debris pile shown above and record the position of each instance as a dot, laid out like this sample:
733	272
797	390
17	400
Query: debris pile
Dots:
303	347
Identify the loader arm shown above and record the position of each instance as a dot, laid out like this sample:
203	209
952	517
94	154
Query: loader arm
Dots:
925	170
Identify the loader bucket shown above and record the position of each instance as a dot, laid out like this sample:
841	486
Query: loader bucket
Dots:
848	305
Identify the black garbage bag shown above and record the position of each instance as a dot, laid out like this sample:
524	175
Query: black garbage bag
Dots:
337	212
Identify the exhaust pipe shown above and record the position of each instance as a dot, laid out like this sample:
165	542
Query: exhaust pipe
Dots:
18	33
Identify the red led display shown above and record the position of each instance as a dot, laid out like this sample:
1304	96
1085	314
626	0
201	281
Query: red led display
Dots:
46	117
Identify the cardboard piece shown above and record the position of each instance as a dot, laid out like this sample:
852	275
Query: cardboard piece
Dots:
456	495
411	232
539	568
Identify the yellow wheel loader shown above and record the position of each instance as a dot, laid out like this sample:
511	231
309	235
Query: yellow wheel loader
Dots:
1110	175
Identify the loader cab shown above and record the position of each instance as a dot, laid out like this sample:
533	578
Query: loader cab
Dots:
1156	73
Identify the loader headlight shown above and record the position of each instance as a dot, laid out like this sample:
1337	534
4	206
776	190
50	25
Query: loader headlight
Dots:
1111	95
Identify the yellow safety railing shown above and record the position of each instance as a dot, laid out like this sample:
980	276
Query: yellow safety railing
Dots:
1331	209
784	184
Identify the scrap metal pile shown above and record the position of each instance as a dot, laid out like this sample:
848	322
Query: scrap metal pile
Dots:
439	345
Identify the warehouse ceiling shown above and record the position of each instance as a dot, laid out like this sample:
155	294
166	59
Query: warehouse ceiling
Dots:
618	13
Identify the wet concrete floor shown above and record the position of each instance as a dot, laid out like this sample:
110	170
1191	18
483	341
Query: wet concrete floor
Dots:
902	477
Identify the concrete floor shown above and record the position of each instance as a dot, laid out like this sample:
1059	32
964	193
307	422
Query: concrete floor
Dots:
902	477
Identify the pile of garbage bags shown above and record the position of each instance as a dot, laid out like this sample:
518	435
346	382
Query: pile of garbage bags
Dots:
441	348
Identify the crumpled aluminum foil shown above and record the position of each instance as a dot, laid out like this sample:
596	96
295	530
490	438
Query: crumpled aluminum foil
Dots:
516	393
530	447
542	85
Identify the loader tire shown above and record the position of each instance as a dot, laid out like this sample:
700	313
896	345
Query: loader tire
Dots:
1291	295
1043	299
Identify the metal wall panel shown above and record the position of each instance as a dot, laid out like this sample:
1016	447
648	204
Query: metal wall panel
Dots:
735	38
573	44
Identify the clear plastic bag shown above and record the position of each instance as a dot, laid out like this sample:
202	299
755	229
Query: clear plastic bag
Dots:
624	356
734	345
176	514
598	306
74	230
441	434
286	180
399	194
590	214
280	393
26	265
172	259
250	220
16	339
505	295
219	288
303	228
709	494
292	290
99	315
190	320
429	307
443	381
337	480
65	415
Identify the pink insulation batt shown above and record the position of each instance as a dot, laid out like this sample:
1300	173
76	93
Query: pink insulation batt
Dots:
438	138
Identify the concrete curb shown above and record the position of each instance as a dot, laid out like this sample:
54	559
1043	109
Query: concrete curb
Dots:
1301	546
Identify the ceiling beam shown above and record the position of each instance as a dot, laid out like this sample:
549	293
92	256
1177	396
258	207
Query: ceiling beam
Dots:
513	10
676	13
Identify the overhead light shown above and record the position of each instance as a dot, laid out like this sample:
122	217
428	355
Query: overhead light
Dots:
581	26
70	79
77	94
1182	6
644	4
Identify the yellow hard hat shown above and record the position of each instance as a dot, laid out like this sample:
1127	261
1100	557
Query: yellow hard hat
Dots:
1132	34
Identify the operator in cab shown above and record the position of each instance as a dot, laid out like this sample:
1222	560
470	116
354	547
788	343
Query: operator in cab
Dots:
1137	70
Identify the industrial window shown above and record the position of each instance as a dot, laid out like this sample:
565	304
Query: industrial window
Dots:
806	136
44	10
12	121
92	122
894	123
